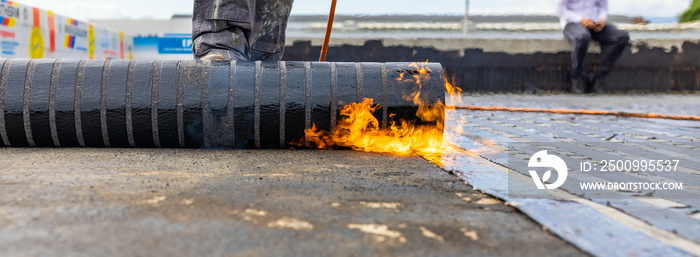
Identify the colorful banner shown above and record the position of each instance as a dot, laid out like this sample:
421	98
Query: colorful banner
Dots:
30	32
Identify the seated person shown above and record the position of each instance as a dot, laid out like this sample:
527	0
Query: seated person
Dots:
583	20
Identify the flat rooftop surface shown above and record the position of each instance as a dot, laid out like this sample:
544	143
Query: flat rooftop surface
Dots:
182	202
479	201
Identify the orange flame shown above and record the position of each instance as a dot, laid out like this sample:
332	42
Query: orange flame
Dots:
358	128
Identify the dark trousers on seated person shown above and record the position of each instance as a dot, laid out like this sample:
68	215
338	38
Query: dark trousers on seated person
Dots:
613	42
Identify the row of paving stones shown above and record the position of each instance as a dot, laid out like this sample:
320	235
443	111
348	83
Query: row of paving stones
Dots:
510	139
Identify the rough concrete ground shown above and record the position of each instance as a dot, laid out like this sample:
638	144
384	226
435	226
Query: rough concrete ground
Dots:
182	202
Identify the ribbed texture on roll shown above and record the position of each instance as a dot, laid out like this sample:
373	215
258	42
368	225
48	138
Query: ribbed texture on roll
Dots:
169	103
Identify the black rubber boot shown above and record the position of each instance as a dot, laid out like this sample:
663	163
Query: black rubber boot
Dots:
597	87
578	86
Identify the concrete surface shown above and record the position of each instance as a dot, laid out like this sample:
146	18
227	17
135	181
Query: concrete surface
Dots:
180	202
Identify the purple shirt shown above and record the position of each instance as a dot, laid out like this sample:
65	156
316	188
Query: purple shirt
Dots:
576	10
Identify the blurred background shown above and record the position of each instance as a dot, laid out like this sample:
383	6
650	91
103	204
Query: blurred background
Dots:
653	10
492	45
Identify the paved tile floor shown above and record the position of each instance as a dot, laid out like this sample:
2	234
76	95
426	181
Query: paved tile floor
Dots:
509	139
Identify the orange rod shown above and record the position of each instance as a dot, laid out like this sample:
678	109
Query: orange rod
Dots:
579	111
329	27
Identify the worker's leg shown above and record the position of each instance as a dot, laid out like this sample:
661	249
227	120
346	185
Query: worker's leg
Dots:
220	29
268	32
613	42
580	37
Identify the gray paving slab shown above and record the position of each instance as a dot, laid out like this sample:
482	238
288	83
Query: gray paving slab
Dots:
581	225
625	129
614	150
636	137
670	219
674	130
680	104
180	202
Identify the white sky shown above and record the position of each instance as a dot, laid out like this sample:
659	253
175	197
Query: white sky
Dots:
164	9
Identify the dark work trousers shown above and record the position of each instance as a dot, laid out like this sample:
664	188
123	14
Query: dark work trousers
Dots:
613	42
240	29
